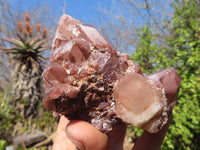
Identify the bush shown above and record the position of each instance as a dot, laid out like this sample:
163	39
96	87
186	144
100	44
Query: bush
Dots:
182	51
13	123
3	144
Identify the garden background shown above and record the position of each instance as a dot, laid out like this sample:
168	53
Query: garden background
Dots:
156	34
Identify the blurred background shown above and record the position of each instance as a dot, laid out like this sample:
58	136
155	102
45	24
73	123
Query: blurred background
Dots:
156	34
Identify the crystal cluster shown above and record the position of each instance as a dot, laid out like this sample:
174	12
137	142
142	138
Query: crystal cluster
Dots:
88	79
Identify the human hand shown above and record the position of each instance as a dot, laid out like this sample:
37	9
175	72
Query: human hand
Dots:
83	135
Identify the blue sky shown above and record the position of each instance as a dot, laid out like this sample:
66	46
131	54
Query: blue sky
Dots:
84	10
127	18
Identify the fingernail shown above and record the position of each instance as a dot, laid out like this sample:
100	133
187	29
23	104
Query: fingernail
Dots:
69	133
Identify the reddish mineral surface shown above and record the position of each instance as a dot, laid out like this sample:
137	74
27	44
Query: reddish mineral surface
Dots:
88	79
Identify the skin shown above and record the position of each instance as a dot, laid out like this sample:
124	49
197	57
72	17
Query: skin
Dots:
84	136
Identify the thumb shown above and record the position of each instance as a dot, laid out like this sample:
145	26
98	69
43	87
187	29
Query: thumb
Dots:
85	136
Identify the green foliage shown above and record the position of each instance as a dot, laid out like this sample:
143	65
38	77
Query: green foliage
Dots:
3	144
137	132
4	99
185	43
182	52
147	53
13	123
6	113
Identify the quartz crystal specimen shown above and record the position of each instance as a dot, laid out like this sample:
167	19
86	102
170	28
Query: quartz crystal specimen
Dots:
88	79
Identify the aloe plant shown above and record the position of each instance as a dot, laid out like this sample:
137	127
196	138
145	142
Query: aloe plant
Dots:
26	55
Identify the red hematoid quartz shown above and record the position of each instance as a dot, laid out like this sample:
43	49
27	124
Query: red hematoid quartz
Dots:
88	79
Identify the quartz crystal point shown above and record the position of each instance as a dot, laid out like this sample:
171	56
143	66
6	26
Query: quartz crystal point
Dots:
86	78
145	101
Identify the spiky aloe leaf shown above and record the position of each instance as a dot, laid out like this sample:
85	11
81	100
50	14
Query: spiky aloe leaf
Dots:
32	41
44	48
15	42
39	43
21	38
11	49
41	57
6	49
26	48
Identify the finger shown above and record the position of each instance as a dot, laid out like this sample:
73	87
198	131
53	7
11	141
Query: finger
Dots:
61	142
152	141
85	136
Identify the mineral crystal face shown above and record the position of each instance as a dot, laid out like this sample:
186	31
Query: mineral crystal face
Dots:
145	101
88	79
